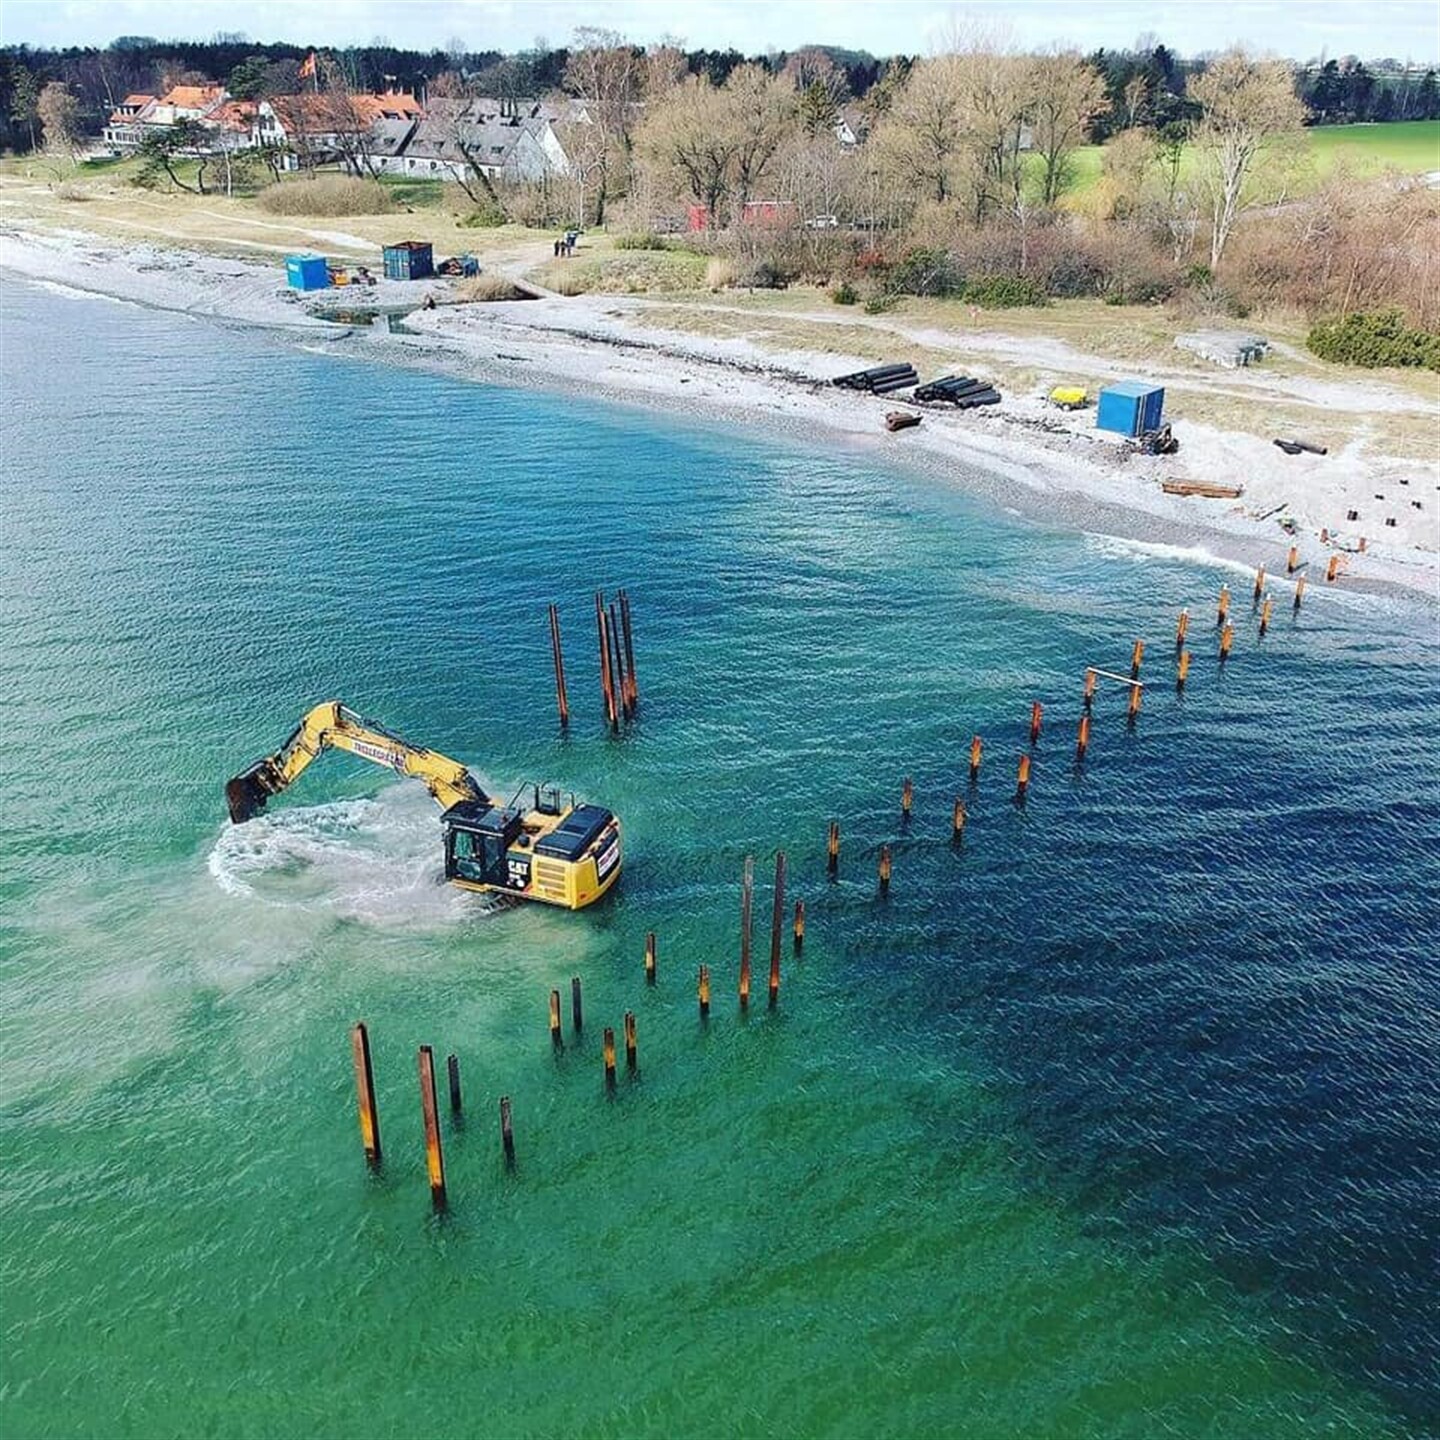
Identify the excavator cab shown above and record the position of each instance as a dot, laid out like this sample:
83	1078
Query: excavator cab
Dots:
478	839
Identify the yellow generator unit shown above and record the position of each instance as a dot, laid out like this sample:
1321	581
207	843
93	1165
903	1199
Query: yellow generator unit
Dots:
1069	397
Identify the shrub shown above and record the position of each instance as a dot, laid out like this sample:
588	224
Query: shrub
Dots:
879	301
1002	292
719	273
641	240
569	282
925	271
845	293
764	272
326	195
487	217
1374	338
67	190
487	287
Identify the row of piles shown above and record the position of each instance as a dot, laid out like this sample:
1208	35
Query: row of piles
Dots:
619	689
1263	604
429	1104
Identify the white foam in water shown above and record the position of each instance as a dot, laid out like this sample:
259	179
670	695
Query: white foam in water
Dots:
1120	548
377	861
69	292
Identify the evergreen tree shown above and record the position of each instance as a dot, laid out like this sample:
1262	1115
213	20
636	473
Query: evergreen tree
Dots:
1327	93
1359	87
1427	98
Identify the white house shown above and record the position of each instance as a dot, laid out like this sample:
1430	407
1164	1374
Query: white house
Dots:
456	135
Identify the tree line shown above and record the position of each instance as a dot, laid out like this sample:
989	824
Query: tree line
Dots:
1145	86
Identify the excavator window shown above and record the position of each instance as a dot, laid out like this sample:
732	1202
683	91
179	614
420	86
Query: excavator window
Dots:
468	860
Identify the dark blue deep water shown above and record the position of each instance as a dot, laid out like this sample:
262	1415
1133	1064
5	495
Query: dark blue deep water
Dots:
1120	1118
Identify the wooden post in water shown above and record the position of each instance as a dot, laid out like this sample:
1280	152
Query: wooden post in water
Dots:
434	1156
629	636
832	848
562	700
555	1037
1135	693
799	926
622	688
365	1094
1181	626
650	958
884	869
704	992
1089	688
1292	560
777	924
1259	583
1224	606
1082	740
957	822
1299	591
609	1058
507	1133
977	746
1265	615
577	1010
1037	711
1182	669
631	1049
607	686
452	1071
1227	637
1332	569
747	898
1136	656
907	798
1022	779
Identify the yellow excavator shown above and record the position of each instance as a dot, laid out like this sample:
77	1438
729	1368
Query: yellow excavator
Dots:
553	851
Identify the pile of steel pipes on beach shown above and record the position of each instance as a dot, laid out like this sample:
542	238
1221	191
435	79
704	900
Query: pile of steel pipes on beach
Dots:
960	391
880	380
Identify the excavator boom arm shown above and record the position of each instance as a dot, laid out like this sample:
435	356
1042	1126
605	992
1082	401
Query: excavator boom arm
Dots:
334	726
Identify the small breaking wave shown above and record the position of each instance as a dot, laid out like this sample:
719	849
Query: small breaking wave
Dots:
71	292
373	860
1118	547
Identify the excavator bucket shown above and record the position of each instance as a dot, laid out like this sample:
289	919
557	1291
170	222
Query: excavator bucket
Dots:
247	793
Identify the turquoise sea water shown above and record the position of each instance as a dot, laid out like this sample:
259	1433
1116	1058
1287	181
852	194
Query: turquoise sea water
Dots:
1119	1120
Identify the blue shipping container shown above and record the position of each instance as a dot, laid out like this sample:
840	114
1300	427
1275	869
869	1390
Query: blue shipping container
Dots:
307	272
1130	407
409	260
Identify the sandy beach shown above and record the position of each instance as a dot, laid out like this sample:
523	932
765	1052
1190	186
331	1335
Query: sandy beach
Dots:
1023	454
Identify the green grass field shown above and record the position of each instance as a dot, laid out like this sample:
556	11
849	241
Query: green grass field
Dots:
1412	146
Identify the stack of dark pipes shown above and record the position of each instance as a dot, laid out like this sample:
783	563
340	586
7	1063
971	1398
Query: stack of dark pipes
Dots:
960	391
618	686
880	380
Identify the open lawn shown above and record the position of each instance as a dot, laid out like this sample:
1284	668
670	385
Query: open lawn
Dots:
1411	146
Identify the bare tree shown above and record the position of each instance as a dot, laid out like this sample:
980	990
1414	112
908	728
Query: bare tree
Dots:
687	138
759	110
663	68
921	132
59	114
1068	94
605	73
1246	105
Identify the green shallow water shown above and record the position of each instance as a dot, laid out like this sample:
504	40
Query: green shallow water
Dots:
863	1214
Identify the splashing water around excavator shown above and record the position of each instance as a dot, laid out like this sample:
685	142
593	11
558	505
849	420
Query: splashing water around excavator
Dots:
553	850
